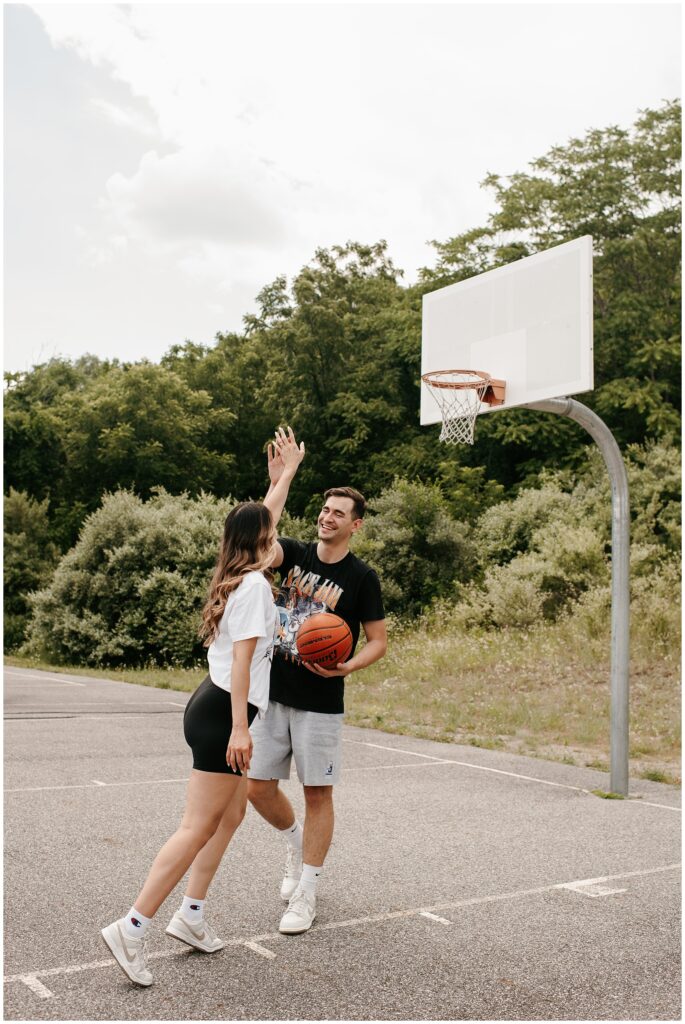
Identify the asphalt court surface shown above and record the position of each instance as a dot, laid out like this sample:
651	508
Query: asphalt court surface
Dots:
462	884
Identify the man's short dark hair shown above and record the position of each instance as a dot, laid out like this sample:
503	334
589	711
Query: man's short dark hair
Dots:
349	492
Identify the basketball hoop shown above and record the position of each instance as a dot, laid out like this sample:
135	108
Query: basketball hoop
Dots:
459	394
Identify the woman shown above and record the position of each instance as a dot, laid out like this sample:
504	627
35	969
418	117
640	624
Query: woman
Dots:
239	620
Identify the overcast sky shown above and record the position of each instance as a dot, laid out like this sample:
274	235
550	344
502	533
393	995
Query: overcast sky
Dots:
164	162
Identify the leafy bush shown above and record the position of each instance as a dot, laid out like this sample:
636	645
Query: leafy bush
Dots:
29	559
513	592
506	529
654	478
655	621
418	550
131	590
564	562
552	545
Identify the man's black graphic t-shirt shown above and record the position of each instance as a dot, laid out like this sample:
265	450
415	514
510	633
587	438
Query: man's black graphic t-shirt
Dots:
348	588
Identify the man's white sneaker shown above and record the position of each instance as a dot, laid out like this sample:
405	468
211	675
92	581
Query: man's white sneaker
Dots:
293	871
199	936
128	953
299	917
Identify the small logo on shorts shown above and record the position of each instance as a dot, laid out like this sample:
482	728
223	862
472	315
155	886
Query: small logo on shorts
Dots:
329	770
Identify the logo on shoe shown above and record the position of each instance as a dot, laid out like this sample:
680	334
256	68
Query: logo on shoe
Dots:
135	922
194	906
122	940
329	770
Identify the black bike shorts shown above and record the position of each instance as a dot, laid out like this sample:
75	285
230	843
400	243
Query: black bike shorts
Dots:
207	724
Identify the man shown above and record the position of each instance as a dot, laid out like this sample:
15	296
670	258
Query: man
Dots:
306	702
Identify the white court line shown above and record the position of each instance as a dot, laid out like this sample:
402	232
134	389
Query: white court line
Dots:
174	704
267	953
648	803
384	767
46	676
593	891
393	915
73	716
119	703
36	986
53	679
434	917
397	750
500	771
614	878
93	783
369	768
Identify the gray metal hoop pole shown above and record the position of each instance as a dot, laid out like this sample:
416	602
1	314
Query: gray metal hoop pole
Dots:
620	578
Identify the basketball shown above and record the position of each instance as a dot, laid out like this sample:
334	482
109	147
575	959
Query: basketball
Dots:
324	640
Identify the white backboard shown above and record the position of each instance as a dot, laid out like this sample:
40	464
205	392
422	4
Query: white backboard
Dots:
528	323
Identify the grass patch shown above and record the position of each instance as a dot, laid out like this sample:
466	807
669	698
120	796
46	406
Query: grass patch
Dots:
542	692
654	775
604	795
600	766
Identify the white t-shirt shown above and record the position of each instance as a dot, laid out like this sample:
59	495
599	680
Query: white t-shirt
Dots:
249	612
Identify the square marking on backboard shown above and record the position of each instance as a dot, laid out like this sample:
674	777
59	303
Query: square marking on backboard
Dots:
505	358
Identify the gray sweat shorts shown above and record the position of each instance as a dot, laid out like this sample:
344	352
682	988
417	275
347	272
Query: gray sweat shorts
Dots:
314	738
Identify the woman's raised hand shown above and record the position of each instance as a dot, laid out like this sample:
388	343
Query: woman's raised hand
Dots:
287	454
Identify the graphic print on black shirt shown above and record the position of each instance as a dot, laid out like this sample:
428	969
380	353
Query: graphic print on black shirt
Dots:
348	588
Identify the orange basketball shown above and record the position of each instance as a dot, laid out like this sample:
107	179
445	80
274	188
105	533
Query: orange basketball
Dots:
324	639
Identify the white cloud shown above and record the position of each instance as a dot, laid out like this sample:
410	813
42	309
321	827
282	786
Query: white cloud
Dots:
198	195
131	119
272	130
295	126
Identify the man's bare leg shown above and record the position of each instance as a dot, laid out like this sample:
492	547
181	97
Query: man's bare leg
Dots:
271	802
318	833
318	824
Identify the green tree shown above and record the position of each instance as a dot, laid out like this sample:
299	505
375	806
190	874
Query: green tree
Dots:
29	559
34	420
142	426
75	431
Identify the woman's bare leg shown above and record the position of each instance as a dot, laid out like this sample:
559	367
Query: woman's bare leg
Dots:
208	796
208	859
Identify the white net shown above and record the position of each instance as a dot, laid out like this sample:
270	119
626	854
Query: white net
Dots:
458	394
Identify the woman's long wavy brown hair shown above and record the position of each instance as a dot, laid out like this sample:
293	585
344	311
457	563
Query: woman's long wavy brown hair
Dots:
245	547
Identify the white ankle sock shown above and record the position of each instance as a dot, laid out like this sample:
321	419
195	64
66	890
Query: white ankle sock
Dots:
192	909
138	929
310	876
294	835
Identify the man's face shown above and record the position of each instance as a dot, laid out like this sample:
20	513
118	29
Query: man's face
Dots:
336	520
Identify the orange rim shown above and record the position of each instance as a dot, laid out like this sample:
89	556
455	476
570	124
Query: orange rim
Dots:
481	378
